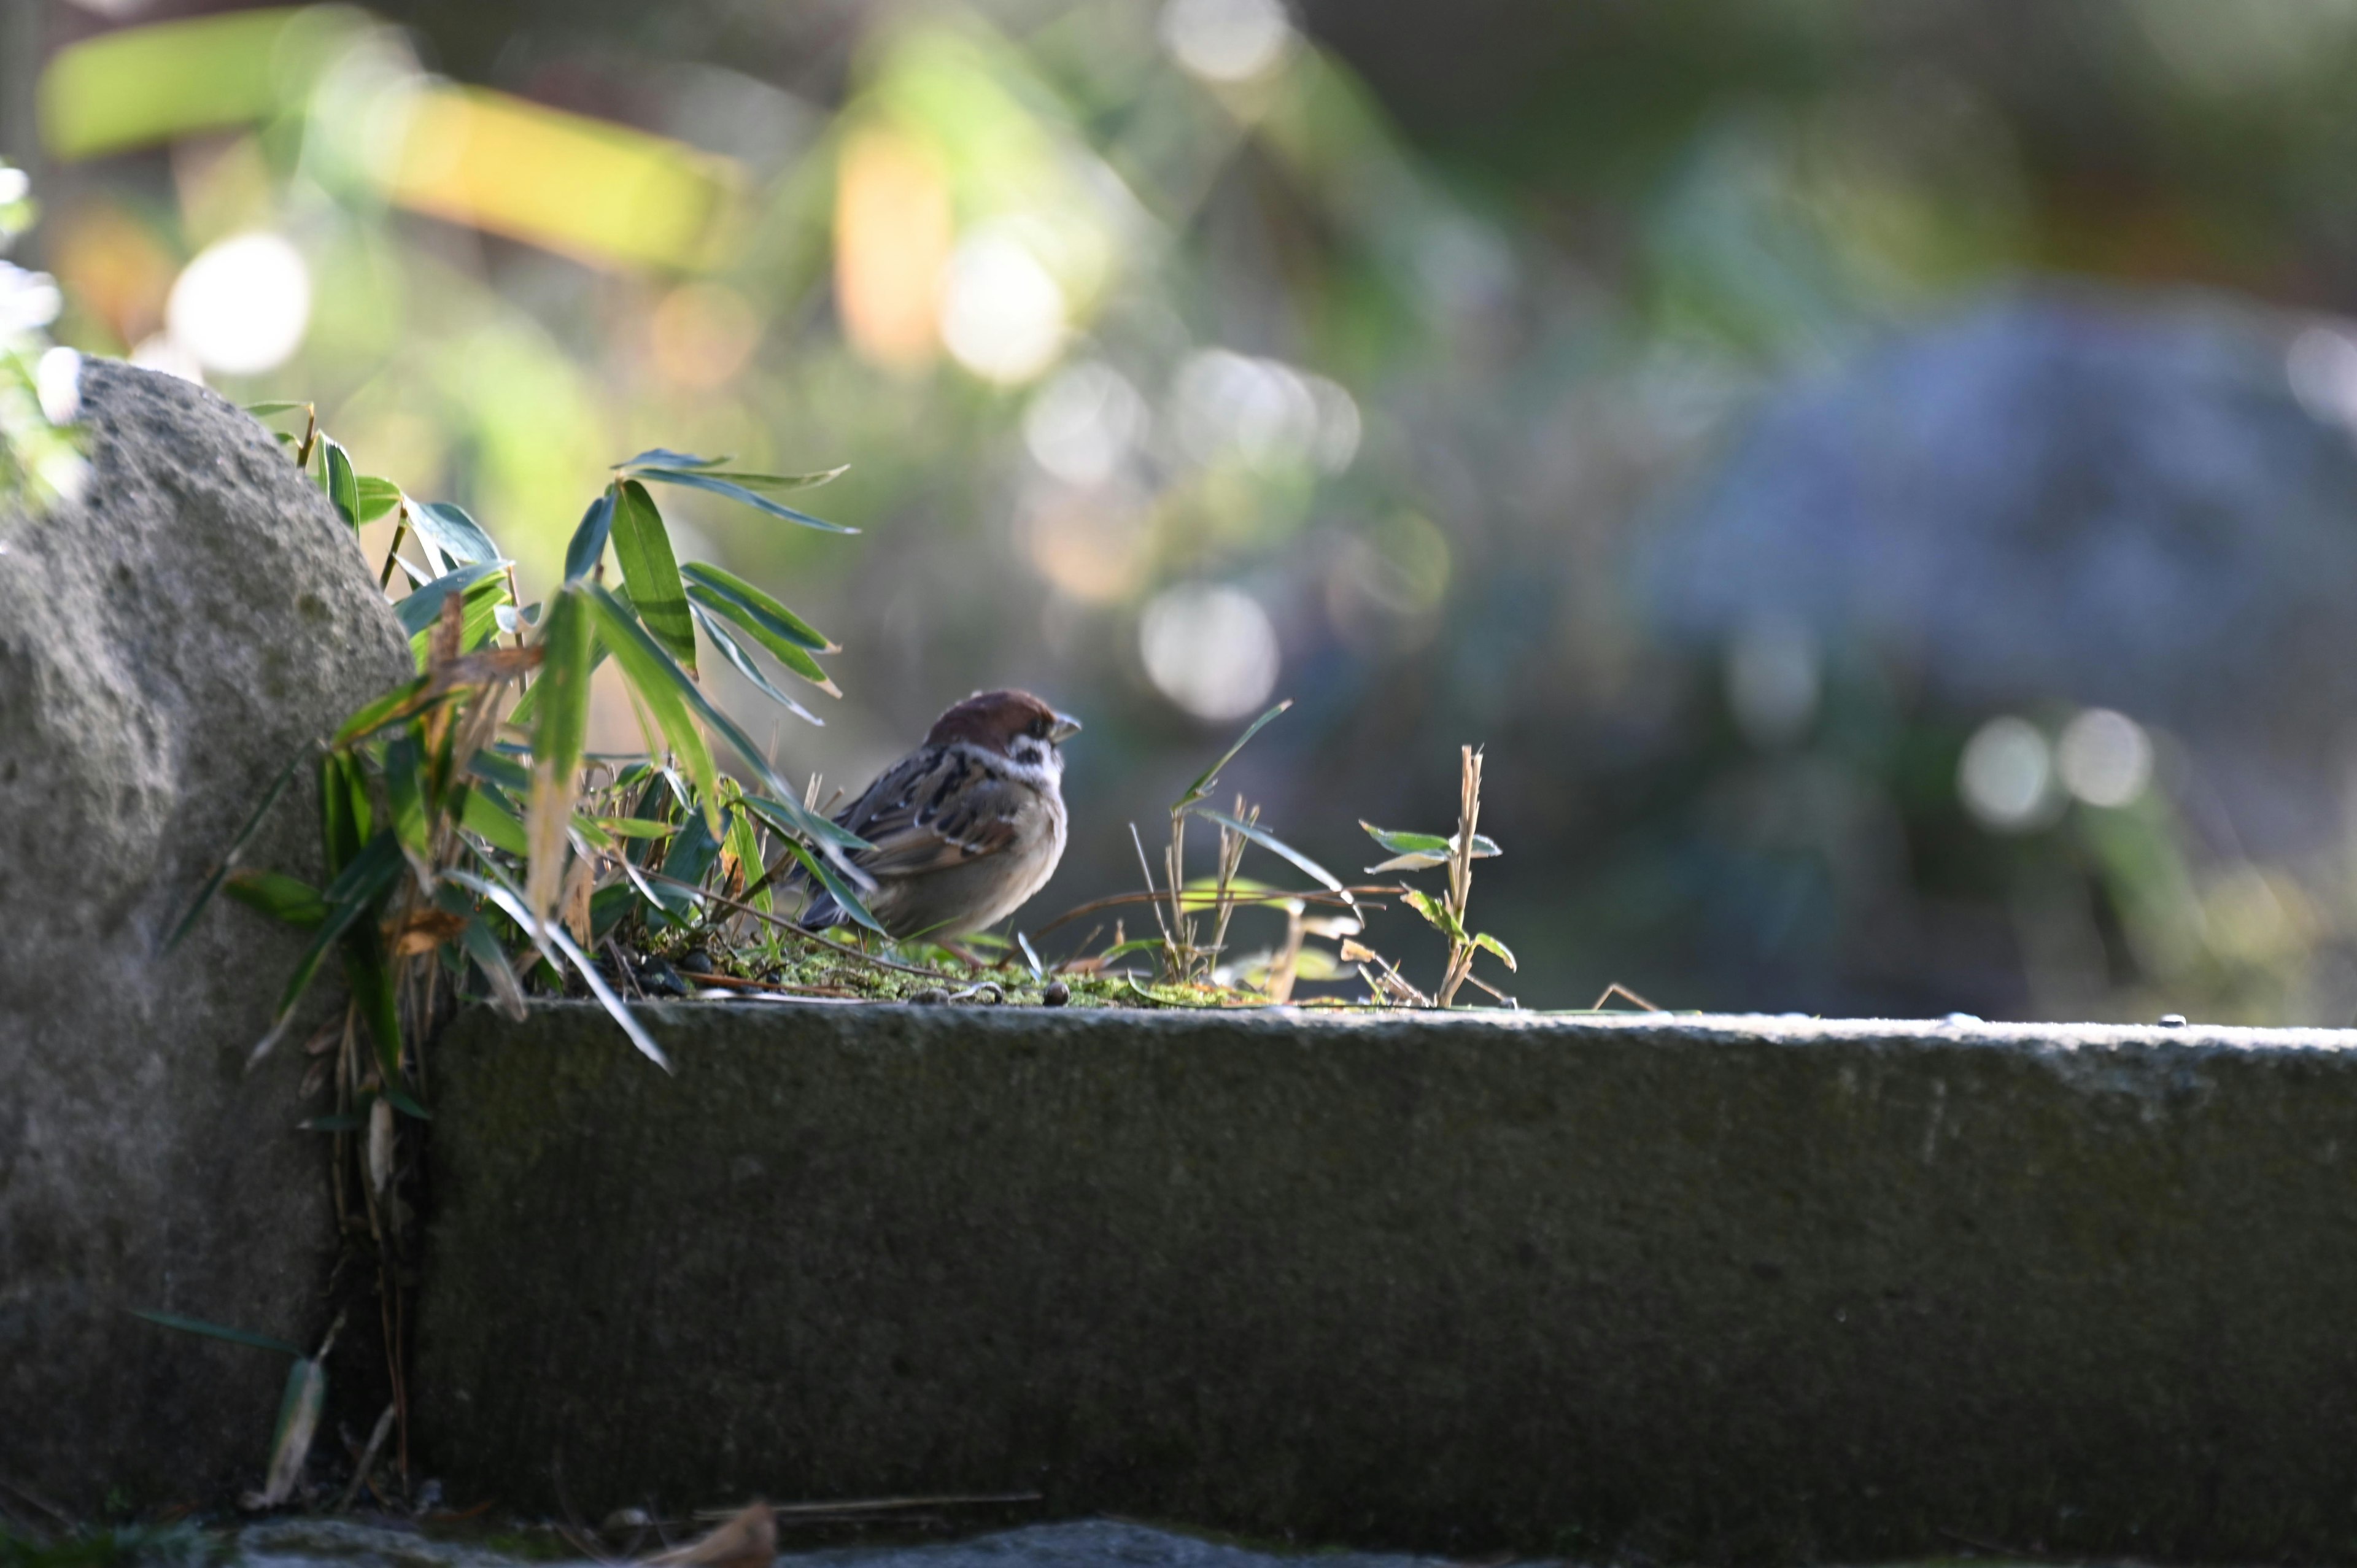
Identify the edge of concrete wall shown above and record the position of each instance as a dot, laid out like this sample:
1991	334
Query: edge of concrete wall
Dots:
1688	1288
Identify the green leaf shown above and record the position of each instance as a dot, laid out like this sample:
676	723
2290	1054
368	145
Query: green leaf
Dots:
1437	913
703	480
1123	950
589	546
404	789
1270	841
449	530
280	897
482	945
635	827
345	818
336	478
561	726
1505	956
396	705
833	880
400	1100
497	767
1406	844
214	1330
1211	776
734	652
418	612
663	456
263	411
666	689
219	873
713	603
371	980
773	618
354	893
489	816
551	941
642	545
744	846
773	483
373	497
795	819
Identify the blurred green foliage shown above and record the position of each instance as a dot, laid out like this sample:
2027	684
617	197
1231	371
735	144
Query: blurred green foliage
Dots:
1173	376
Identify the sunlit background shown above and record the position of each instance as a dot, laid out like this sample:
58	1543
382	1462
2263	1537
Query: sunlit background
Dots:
1877	477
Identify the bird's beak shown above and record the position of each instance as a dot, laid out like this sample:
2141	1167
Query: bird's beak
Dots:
1066	728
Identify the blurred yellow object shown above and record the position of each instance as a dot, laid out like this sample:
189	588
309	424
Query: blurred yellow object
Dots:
892	235
602	193
599	192
138	86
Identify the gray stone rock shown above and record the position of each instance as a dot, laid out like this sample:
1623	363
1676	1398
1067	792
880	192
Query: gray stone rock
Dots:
2096	496
166	644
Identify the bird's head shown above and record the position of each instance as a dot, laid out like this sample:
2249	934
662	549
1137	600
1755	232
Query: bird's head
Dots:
1016	726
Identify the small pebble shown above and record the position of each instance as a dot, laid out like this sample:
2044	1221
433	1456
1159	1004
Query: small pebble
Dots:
697	961
2172	1020
1961	1019
657	978
930	996
1055	994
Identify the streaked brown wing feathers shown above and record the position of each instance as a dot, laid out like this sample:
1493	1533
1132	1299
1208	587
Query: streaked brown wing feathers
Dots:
937	809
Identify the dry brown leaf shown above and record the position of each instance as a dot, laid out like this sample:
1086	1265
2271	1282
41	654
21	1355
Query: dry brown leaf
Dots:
747	1539
423	931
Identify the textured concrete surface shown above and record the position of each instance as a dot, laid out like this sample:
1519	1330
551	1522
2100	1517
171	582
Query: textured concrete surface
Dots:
165	646
1688	1289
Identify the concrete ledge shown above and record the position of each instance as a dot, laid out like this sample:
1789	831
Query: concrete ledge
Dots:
1697	1289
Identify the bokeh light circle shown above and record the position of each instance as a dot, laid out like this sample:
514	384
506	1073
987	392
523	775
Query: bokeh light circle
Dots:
1211	649
2007	777
242	306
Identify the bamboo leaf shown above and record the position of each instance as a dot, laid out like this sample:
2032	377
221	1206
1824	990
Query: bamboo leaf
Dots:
789	654
773	483
559	731
1270	841
794	820
215	1330
702	479
263	411
353	893
452	531
373	497
734	652
336	478
1437	913
298	1421
588	546
1211	776
552	941
482	945
1400	842
773	617
642	545
663	456
837	887
1505	955
666	689
219	873
418	612
280	897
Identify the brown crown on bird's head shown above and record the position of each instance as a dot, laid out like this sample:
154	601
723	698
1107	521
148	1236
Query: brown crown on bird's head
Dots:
996	720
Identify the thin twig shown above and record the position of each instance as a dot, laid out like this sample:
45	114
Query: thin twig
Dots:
1617	989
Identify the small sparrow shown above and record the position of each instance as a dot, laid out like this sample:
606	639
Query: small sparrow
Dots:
966	827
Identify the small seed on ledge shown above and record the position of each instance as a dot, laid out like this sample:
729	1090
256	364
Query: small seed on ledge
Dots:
1055	994
930	996
2172	1020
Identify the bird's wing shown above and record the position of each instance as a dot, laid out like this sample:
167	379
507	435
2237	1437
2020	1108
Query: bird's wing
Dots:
936	808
